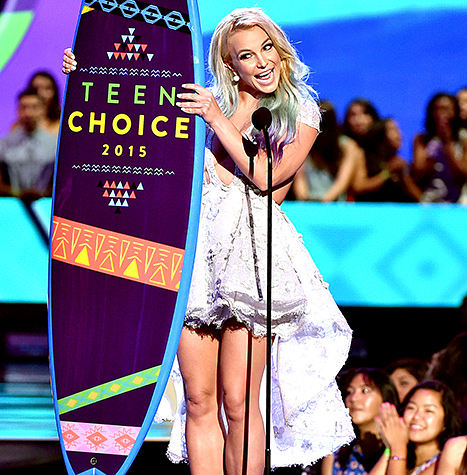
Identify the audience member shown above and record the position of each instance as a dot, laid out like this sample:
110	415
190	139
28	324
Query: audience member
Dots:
462	100
383	175
27	153
47	88
440	153
453	459
329	169
360	117
406	373
364	390
414	442
450	367
359	124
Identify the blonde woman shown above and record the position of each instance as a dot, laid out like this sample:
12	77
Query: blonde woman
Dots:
222	353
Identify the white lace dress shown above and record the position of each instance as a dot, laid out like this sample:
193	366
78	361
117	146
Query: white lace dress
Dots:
312	338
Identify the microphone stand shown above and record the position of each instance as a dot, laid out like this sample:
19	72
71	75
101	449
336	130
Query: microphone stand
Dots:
268	308
262	120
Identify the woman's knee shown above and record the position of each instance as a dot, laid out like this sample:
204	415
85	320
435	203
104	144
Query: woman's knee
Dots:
201	403
236	405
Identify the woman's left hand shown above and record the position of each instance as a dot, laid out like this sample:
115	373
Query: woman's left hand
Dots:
200	102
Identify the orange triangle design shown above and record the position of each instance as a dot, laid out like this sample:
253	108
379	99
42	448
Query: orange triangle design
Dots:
143	47
176	261
108	264
60	250
159	272
117	46
123	250
100	238
150	251
75	238
55	228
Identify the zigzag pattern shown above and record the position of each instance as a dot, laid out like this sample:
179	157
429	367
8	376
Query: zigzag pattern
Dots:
125	169
155	73
152	14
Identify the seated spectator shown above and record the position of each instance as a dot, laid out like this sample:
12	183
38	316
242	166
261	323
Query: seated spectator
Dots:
440	153
329	169
47	88
360	117
406	373
383	175
462	100
453	459
405	189
415	441
27	153
364	392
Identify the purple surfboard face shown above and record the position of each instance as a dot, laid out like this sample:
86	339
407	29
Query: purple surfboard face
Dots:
121	209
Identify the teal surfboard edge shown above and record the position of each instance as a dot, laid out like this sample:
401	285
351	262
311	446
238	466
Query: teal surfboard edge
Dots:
188	261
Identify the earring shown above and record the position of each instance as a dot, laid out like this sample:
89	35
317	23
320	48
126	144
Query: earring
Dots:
236	77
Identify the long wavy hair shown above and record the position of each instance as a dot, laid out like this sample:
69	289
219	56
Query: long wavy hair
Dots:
54	108
368	108
285	102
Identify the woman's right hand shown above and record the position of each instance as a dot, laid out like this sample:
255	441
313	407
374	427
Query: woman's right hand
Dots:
69	62
393	430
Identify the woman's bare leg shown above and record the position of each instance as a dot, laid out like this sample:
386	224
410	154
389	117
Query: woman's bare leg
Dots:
198	356
242	364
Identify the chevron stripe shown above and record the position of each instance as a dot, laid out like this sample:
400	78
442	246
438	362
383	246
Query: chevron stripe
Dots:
108	390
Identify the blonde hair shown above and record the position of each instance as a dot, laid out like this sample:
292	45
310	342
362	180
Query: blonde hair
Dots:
285	102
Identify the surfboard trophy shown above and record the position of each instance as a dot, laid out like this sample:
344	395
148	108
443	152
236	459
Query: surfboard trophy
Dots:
125	213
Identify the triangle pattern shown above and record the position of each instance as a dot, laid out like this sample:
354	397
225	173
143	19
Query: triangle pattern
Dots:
83	257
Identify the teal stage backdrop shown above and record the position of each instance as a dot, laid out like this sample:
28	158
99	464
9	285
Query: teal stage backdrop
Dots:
371	254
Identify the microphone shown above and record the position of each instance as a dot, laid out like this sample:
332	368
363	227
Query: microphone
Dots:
261	118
